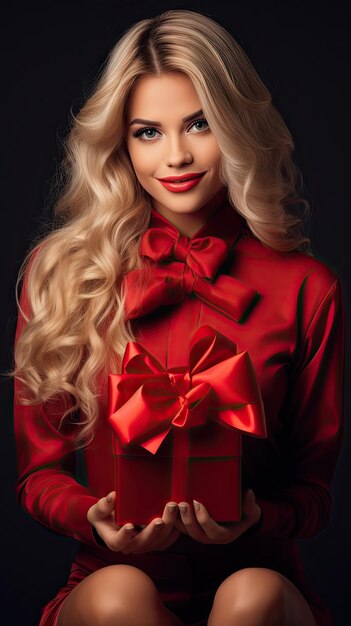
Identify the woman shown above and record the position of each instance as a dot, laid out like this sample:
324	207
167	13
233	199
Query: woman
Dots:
139	258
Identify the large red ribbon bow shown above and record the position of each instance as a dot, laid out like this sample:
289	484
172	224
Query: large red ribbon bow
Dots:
146	401
182	266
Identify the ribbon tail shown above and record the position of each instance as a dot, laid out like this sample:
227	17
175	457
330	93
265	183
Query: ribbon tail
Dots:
180	464
227	295
153	444
146	289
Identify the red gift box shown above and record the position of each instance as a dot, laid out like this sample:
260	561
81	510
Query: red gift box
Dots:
177	432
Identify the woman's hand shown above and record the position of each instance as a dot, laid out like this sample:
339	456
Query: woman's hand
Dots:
157	535
204	529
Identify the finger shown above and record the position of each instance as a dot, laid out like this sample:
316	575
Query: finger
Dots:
102	509
211	529
115	538
180	526
170	513
191	523
144	540
157	535
251	510
169	533
222	534
102	517
118	539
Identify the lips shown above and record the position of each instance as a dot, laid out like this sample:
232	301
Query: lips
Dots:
182	178
180	184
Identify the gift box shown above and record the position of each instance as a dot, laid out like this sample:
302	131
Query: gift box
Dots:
176	433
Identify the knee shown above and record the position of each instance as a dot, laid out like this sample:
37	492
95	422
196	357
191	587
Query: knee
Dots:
115	594
123	591
253	592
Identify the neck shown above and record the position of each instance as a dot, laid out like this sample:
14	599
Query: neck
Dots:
190	223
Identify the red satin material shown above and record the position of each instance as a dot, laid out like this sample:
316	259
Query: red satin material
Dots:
146	400
191	267
294	334
203	255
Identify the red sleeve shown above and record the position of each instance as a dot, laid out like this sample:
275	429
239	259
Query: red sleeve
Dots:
46	487
314	421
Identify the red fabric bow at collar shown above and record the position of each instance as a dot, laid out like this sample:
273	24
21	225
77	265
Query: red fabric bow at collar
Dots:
146	401
180	266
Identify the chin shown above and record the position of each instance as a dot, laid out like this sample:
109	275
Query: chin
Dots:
186	204
181	208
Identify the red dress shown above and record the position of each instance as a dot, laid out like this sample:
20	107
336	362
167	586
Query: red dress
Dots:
285	309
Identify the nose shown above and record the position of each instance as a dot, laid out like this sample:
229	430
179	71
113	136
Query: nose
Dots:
177	152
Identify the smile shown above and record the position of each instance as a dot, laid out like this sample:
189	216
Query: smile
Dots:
181	185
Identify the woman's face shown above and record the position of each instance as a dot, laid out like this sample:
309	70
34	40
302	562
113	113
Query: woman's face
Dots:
162	143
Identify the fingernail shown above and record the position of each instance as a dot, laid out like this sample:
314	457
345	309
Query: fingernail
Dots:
129	527
197	505
109	497
183	508
172	507
159	523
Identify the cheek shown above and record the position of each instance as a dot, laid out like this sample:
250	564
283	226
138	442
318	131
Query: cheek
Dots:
217	160
142	162
132	153
213	153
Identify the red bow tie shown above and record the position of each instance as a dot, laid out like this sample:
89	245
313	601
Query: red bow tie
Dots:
202	255
183	266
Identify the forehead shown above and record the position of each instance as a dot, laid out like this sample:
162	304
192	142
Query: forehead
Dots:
168	93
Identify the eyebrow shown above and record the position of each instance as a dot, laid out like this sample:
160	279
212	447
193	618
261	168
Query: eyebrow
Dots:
138	120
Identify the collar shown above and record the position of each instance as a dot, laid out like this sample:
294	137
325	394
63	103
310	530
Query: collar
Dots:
224	223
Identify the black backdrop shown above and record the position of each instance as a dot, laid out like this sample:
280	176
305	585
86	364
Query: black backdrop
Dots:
50	57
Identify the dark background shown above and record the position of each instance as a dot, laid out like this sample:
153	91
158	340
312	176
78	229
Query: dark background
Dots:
50	58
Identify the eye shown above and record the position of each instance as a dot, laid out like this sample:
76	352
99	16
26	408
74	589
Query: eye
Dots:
200	121
142	131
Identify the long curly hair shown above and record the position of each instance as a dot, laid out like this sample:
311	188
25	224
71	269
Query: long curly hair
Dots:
71	324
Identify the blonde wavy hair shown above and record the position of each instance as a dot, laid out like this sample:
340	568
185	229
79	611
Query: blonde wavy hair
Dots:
73	330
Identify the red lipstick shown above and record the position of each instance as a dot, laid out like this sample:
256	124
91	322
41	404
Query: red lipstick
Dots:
183	182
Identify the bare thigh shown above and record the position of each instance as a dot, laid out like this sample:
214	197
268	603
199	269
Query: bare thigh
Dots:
114	595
